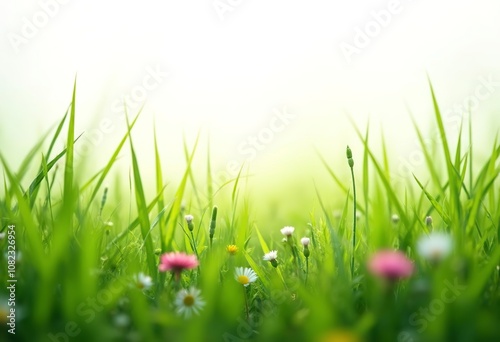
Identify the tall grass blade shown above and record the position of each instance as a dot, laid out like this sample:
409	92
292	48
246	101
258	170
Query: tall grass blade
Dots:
142	210
159	187
171	219
439	208
68	190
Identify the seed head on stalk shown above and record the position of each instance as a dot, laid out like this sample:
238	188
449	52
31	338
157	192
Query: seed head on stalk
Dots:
350	161
213	223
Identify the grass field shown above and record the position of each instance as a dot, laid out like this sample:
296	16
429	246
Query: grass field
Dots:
90	257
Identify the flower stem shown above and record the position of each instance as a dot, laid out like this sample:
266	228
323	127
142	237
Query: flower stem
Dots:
295	254
307	270
177	280
354	223
350	161
194	245
246	303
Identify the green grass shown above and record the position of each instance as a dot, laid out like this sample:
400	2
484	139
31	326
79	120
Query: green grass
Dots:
83	242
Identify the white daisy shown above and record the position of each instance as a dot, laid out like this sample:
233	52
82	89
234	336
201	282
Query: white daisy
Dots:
189	302
305	241
435	246
287	231
143	281
272	255
245	275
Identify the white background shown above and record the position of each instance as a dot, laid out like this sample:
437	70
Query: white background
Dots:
227	76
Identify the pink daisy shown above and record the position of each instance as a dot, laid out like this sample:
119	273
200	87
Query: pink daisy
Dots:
391	265
177	262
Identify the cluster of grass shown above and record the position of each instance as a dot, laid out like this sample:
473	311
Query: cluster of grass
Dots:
80	246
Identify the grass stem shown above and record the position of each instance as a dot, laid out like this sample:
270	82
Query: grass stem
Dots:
351	165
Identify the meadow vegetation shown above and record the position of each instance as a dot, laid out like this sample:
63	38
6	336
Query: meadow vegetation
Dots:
99	258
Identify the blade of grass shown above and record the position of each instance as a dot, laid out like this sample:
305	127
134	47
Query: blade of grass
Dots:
32	189
142	210
385	181
68	190
482	276
159	187
31	154
366	181
105	171
171	220
454	184
210	189
265	249
439	208
337	180
34	248
337	248
471	173
134	224
257	269
191	175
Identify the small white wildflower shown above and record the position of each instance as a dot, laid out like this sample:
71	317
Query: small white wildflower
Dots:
272	255
305	241
189	220
435	246
142	281
287	231
245	275
189	302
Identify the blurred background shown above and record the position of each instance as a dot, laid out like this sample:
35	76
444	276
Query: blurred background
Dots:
266	82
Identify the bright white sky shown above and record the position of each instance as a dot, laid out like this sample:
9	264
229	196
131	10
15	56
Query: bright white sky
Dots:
229	71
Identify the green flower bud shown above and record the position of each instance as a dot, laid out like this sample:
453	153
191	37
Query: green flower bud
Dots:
306	251
189	220
213	222
428	221
350	161
349	152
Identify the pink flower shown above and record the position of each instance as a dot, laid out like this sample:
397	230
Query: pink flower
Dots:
391	265
177	262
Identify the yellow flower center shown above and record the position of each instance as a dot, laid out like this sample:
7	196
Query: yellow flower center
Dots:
340	336
243	279
188	300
